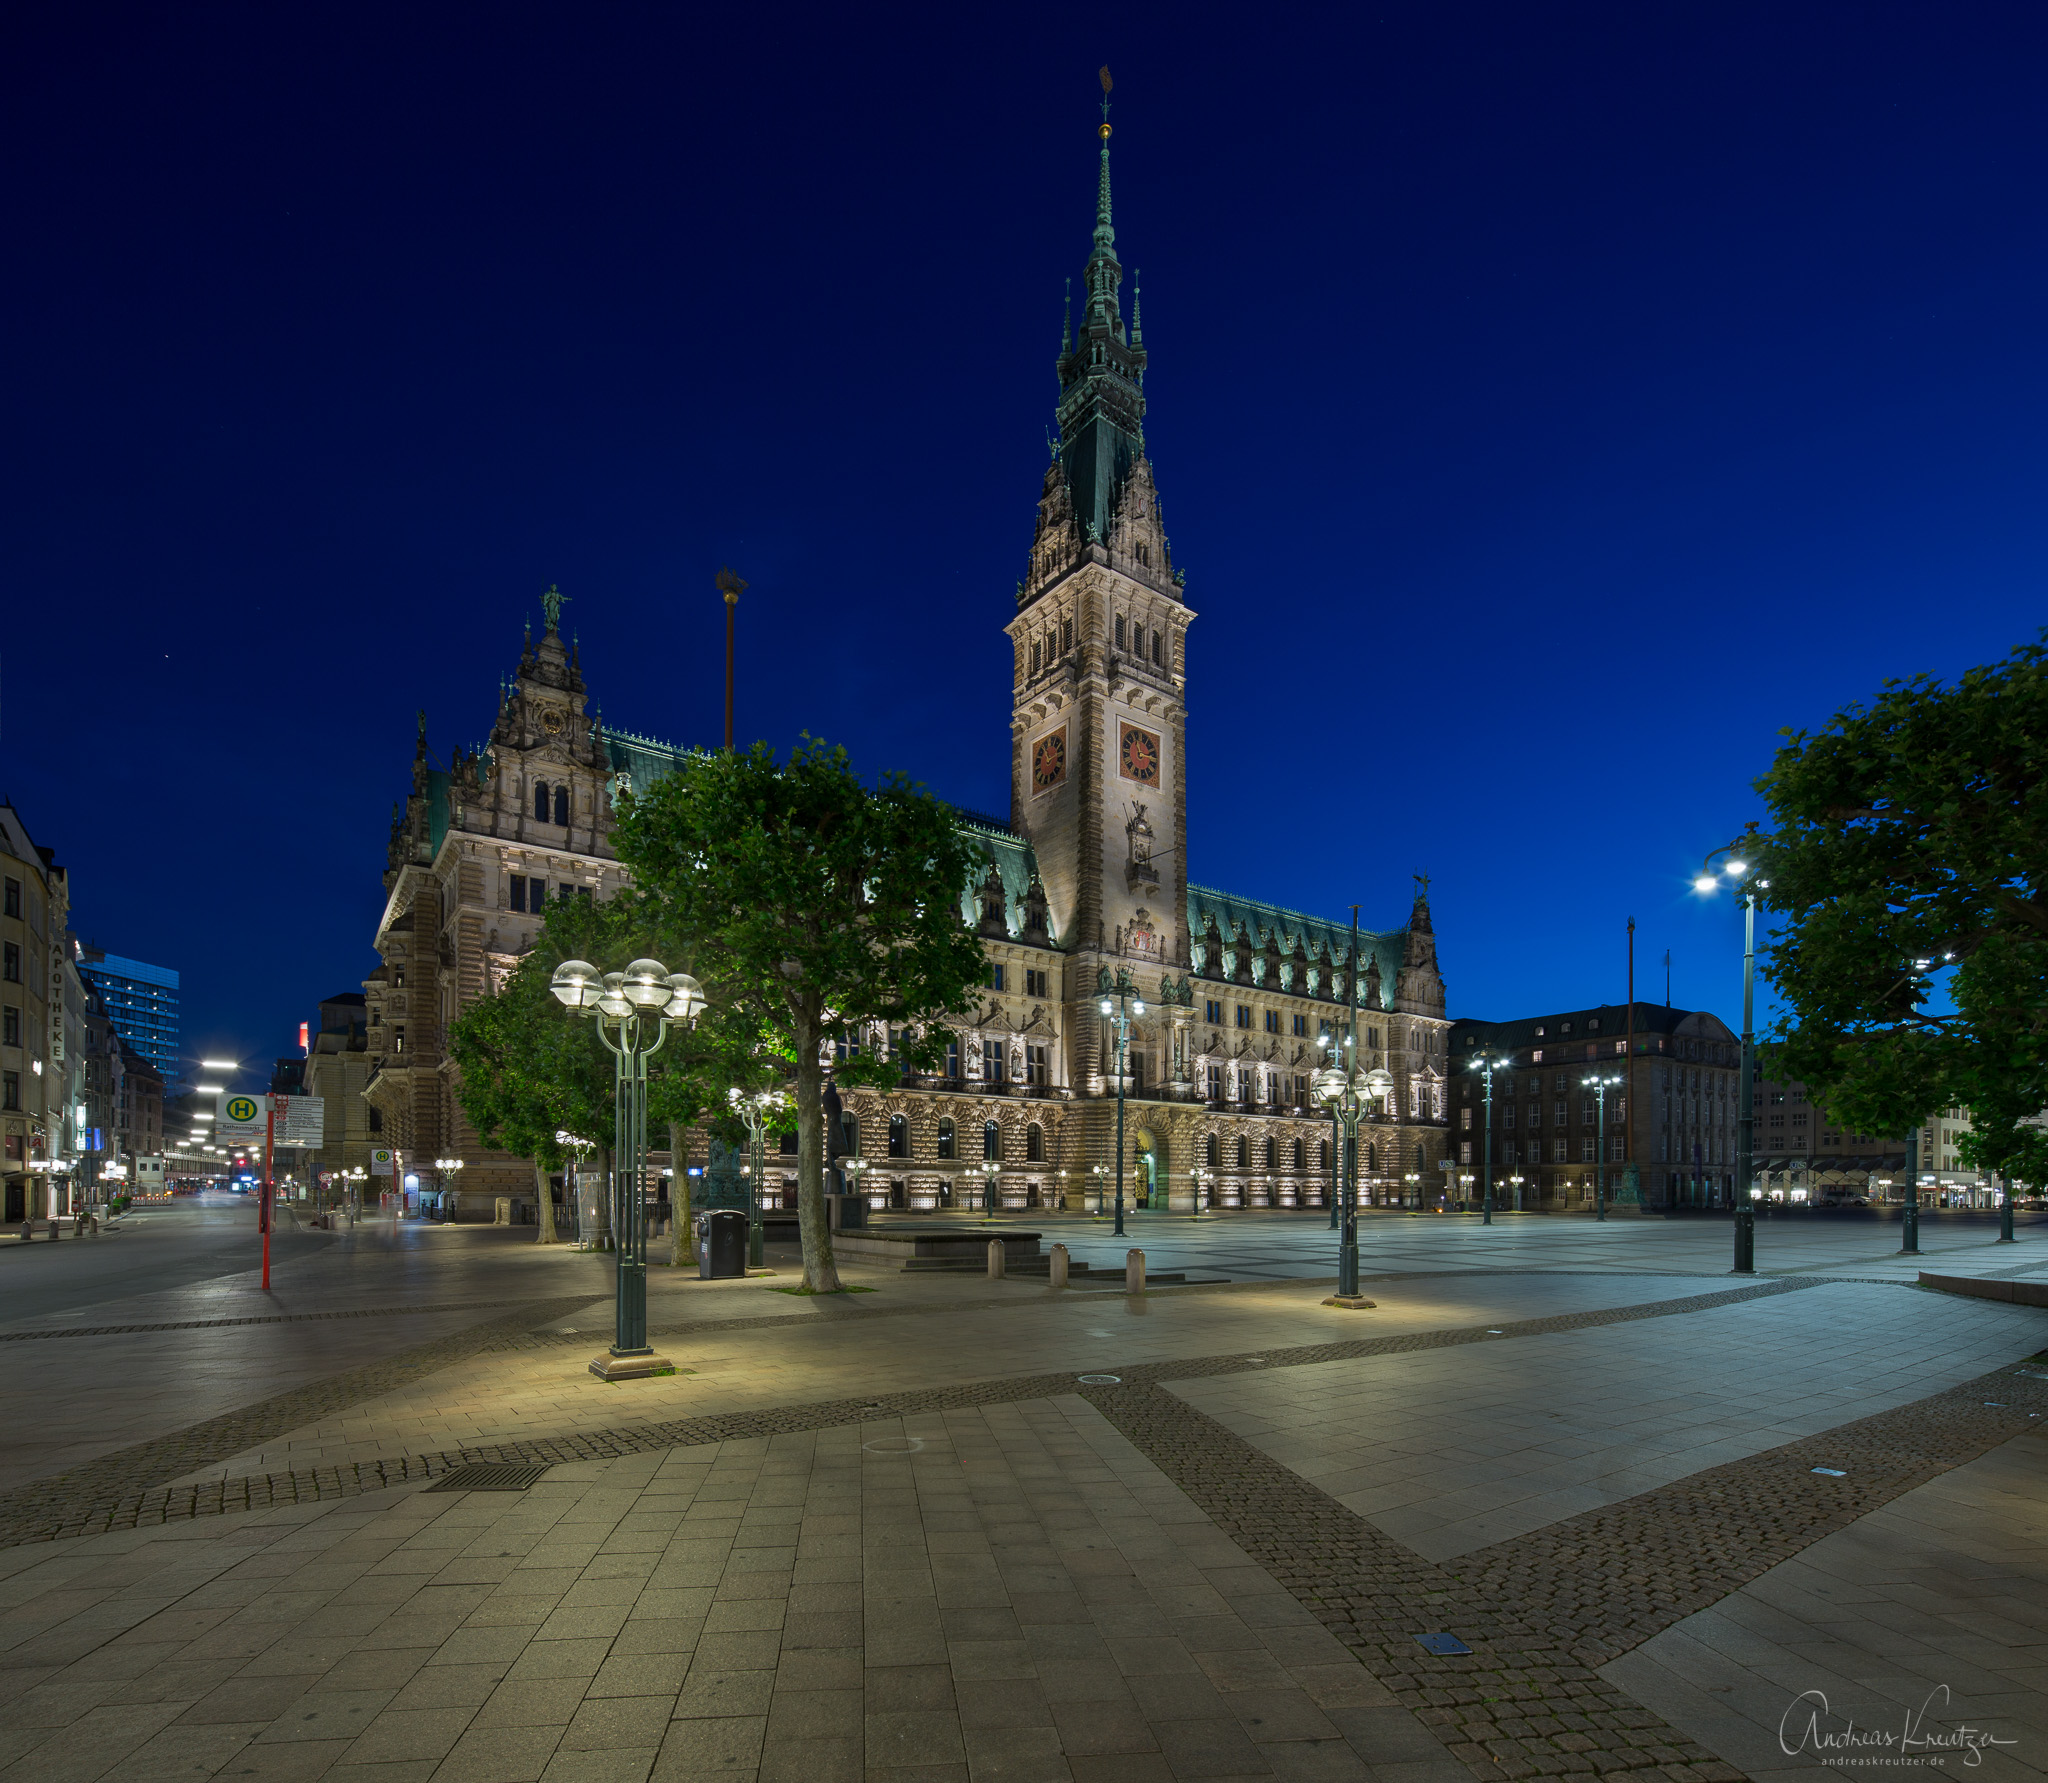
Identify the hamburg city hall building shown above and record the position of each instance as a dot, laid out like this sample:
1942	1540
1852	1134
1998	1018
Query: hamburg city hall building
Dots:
1085	881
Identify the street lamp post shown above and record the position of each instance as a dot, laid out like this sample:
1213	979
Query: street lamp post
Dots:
754	1107
1487	1067
991	1171
1329	1045
1199	1176
1120	1001
634	1011
1600	1085
853	1168
1737	870
576	1148
1345	1097
1099	1172
1411	1190
444	1168
1515	1183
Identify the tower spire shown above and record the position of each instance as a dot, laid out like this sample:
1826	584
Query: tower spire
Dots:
1102	370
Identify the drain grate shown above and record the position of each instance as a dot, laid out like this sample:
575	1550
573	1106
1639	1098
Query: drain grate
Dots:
491	1476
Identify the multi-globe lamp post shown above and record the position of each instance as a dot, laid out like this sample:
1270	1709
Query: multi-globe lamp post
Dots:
1120	1001
634	1011
1486	1068
756	1107
1734	868
1600	1084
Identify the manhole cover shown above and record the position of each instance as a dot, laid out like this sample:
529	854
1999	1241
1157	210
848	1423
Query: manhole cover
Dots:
491	1476
894	1445
1442	1643
1833	1473
1101	1380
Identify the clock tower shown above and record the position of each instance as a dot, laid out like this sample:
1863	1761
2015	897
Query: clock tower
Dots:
1098	778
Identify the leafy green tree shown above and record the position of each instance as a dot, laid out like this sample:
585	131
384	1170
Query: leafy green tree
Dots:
822	904
529	1069
1908	864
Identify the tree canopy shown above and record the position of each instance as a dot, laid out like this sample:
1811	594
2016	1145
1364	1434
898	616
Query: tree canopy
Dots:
820	904
1908	864
530	1069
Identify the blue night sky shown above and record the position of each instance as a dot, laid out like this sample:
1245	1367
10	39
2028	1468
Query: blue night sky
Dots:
1549	403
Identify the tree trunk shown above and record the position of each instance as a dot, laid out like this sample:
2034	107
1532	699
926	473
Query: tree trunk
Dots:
544	1213
821	1274
601	1231
678	1201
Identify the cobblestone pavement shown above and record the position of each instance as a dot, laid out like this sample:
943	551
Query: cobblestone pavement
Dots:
986	1574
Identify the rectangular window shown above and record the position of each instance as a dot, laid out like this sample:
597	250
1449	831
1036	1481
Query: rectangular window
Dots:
10	1089
846	1049
1066	636
1158	652
1587	1154
13	897
1272	1021
1465	1118
1035	982
1557	1151
991	1061
1034	1064
10	1026
1138	642
1216	1083
10	962
518	891
1301	1027
953	1055
995	976
1507	1116
1244	1015
1465	1151
1119	631
1212	1011
1136	1061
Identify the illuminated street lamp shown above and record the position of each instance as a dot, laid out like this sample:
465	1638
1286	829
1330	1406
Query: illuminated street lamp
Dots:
634	1011
1200	1176
755	1107
991	1170
1120	1001
1487	1067
1515	1182
1600	1085
1736	869
1099	1172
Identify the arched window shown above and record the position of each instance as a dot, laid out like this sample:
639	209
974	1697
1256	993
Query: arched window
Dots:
1213	1149
991	1140
562	806
1301	1154
899	1137
1372	1160
849	1132
1034	1144
787	1144
540	800
1244	1152
946	1137
1272	1152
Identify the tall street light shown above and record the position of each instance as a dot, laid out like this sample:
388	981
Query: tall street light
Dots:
1487	1067
1600	1085
1329	1045
634	1011
754	1107
1120	1001
1736	868
991	1173
1342	1093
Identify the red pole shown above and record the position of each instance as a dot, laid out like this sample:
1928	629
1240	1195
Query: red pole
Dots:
269	1137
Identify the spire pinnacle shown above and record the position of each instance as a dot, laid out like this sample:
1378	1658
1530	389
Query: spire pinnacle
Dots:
1105	235
1067	321
1137	313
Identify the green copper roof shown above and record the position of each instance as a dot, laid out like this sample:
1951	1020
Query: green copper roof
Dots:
1314	932
1102	378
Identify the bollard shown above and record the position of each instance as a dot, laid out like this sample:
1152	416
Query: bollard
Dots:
1134	1272
1058	1268
995	1259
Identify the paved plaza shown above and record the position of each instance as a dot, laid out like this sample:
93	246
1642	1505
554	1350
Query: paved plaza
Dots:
1675	1524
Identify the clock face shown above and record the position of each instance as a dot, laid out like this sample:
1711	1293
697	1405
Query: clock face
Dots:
1049	760
1138	756
551	722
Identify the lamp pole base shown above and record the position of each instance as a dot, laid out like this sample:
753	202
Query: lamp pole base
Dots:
613	1367
1351	1302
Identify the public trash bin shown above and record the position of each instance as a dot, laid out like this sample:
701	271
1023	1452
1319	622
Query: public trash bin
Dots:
721	1245
849	1213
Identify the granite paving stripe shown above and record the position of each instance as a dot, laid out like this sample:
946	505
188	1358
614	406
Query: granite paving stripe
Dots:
274	1318
1543	1611
130	1488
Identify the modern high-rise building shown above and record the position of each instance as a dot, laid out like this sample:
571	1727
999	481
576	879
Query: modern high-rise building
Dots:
143	1001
